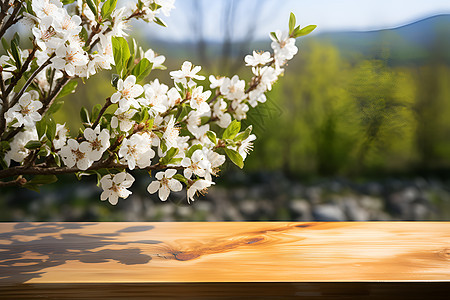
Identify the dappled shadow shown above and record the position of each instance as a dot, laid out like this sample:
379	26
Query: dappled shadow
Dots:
28	249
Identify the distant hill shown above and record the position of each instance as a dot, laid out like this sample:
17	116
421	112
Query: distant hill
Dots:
412	43
415	43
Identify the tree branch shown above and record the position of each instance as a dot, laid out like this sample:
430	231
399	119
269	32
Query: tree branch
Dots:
5	106
30	80
43	170
20	74
19	181
53	94
102	111
46	105
11	20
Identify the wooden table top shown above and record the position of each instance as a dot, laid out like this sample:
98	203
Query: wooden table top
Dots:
97	253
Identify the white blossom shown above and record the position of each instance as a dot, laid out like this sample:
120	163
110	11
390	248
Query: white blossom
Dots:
199	186
199	100
233	89
115	186
283	46
68	58
122	119
46	8
219	112
126	93
72	155
164	184
155	97
18	152
187	74
61	136
25	111
96	143
216	81
246	146
156	60
171	133
166	6
258	59
197	164
137	151
194	126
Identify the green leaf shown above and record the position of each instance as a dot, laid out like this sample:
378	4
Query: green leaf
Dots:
4	146
92	7
51	129
232	130
291	23
32	145
154	6
84	115
212	137
169	155
142	69
305	31
180	178
129	64
235	157
57	159
144	115
273	34
121	53
43	152
5	45
43	179
193	149
55	107
107	8
114	79
175	161
3	163
83	35
69	88
31	186
243	135
96	111
30	9
15	53
41	127
160	22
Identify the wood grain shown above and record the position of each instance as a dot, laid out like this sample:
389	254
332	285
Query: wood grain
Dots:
208	257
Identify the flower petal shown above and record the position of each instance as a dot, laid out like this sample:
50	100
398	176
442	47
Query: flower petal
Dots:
153	187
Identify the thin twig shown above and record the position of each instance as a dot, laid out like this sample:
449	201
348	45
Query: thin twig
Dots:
5	106
102	111
30	80
53	94
11	20
20	74
46	105
19	181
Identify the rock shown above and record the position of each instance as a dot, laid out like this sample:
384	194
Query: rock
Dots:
184	212
420	212
248	207
301	210
354	211
328	212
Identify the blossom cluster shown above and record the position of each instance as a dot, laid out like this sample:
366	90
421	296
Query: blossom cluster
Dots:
185	132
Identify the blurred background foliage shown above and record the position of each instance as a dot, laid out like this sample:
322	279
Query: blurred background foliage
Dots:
359	118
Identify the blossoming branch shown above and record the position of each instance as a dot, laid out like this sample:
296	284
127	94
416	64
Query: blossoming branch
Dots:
183	132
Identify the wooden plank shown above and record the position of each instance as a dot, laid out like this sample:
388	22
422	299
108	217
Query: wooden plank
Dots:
231	257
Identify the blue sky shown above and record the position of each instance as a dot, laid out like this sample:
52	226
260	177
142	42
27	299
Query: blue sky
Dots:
269	15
